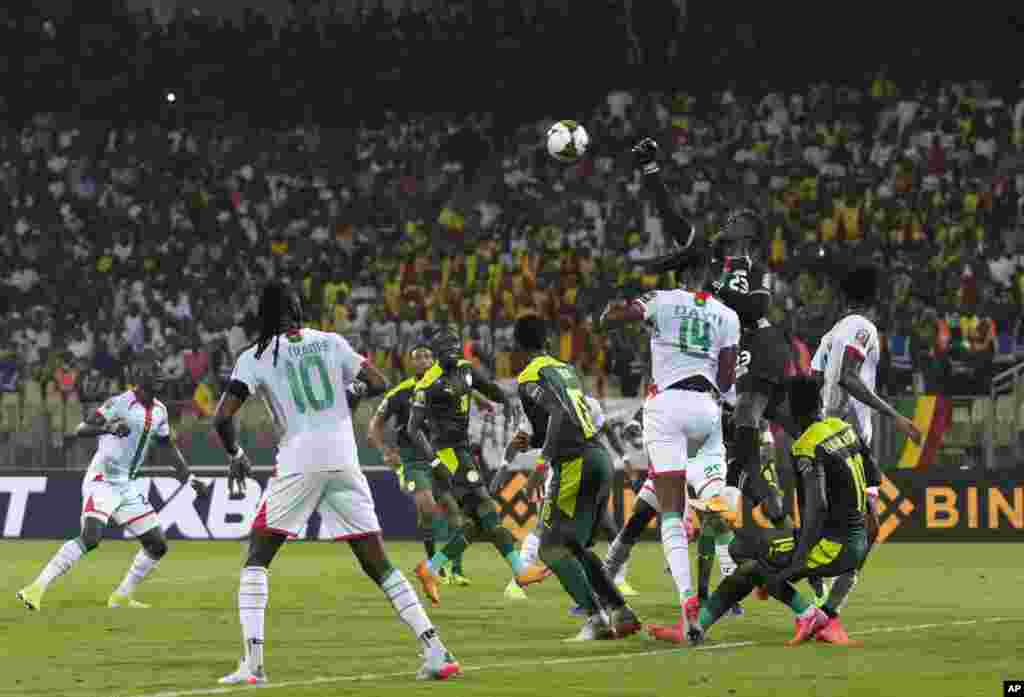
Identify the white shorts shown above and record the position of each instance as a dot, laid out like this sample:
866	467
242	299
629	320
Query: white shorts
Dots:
672	420
118	503
342	498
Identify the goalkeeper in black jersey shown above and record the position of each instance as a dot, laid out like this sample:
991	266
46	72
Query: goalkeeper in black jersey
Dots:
764	349
578	471
833	470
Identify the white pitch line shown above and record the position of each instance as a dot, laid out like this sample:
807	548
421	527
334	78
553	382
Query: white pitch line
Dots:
203	691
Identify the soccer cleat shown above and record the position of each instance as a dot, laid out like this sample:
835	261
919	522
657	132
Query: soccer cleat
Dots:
691	607
672	633
429	582
513	591
834	633
32	596
243	676
736	611
594	629
627	590
438	664
625	622
120	600
535	574
761	593
807	627
460	580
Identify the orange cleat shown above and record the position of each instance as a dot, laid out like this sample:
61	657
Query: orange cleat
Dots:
807	627
535	574
835	633
761	593
691	608
429	582
672	633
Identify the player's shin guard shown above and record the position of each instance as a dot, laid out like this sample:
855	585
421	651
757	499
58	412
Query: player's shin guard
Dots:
530	549
407	604
842	586
786	594
253	591
142	566
66	557
731	590
675	545
725	561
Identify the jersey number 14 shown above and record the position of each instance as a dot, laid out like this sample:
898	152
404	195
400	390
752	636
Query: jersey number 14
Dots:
694	335
300	381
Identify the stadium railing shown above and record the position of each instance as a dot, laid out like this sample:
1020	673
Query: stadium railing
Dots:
1005	419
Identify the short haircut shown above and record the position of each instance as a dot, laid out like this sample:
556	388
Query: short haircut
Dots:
531	333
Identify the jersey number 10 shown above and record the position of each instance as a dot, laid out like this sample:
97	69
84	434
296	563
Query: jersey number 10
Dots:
301	383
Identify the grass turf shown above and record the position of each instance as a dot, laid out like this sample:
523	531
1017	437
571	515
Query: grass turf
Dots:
331	632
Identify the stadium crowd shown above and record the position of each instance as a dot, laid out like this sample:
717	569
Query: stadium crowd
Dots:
153	235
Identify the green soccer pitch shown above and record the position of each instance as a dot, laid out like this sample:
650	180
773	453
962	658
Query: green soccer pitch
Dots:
936	620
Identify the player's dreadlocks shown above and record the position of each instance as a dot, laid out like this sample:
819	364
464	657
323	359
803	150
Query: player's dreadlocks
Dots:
279	311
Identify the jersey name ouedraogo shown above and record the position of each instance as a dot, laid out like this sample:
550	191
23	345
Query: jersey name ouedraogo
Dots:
688	331
305	395
120	459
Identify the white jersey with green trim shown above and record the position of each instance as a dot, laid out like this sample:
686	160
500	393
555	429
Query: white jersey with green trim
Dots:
118	460
304	391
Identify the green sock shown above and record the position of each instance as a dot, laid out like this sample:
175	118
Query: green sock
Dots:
456	546
441	530
788	595
574	580
725	538
502	540
705	559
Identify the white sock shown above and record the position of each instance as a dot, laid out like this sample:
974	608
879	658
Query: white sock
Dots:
253	590
407	604
620	577
62	561
676	546
141	566
616	559
725	563
529	551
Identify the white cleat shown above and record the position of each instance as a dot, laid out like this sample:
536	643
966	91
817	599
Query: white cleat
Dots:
438	664
120	600
243	676
595	628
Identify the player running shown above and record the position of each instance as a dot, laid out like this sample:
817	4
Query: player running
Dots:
126	426
440	403
846	362
832	473
415	476
580	474
694	344
764	350
300	374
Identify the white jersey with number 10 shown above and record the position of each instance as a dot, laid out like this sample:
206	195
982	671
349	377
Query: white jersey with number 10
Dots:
305	395
688	330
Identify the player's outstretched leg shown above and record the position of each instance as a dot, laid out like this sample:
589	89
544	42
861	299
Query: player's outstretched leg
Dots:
154	547
528	554
573	577
624	621
61	563
253	593
438	662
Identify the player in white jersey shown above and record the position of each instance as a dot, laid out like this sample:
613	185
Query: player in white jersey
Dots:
846	362
694	340
302	377
126	426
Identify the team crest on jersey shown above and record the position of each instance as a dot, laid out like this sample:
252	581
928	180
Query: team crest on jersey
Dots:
473	476
862	337
410	487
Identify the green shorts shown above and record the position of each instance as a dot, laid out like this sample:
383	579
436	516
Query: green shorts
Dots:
577	494
416	472
828	558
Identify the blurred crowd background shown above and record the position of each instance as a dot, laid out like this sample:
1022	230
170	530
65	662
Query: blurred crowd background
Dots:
158	165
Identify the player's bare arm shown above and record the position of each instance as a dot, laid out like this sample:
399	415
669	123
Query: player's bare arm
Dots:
556	417
375	380
97	425
613	440
488	388
418	425
182	471
224	424
619	311
812	515
851	381
375	434
727	368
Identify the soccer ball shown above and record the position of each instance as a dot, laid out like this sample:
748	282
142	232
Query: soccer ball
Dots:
567	141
